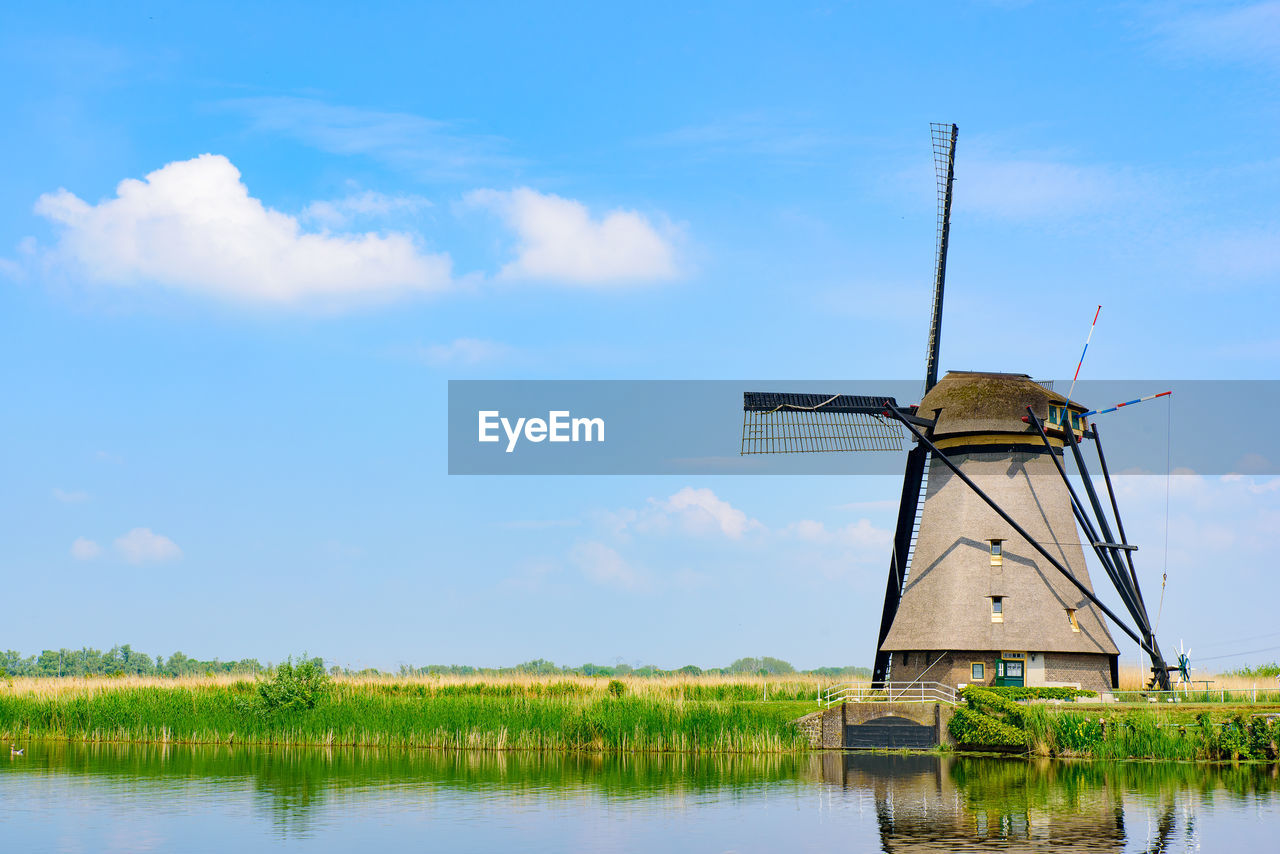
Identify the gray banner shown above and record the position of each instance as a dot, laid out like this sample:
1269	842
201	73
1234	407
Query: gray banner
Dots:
645	427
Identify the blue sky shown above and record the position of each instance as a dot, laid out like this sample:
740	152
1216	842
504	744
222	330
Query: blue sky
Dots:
225	380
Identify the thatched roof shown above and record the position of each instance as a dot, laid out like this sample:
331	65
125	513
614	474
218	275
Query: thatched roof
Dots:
977	402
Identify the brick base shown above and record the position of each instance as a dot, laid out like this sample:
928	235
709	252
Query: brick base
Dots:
1090	671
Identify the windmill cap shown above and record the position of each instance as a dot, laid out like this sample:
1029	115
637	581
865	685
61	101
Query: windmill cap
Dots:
977	402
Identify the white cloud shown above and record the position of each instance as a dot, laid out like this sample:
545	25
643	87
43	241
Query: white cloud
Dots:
192	225
692	511
85	549
464	351
701	511
142	545
336	213
74	496
603	565
860	535
558	239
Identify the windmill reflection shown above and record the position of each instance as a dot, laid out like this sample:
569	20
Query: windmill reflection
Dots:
933	803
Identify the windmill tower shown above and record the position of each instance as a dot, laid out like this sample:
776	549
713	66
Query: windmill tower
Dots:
979	604
987	579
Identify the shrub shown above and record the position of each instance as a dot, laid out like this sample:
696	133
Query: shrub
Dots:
293	687
1023	692
989	702
617	687
970	727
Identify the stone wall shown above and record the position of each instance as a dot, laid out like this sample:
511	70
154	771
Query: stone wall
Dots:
825	729
811	726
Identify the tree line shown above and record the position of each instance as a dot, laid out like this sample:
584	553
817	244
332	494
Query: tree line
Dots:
766	665
121	660
124	660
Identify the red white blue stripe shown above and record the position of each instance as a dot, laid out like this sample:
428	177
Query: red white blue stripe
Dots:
1126	403
1085	350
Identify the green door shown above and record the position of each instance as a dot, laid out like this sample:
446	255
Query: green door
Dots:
1009	673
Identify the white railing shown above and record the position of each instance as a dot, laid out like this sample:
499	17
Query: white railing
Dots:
1185	694
889	692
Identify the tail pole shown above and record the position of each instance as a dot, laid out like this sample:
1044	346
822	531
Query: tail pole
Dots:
1085	350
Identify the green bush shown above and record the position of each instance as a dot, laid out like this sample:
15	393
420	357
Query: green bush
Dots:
970	727
617	687
1022	692
995	704
293	687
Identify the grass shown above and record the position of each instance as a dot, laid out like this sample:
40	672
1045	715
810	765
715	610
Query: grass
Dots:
686	714
675	714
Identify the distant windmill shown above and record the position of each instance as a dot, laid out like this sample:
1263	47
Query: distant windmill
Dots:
987	580
1184	665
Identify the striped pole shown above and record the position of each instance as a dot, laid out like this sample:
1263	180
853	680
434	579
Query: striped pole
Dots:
1126	403
1085	350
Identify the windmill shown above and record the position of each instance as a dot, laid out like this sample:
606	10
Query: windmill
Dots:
987	579
1184	665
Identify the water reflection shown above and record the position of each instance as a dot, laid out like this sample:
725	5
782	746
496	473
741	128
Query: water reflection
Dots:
62	796
932	803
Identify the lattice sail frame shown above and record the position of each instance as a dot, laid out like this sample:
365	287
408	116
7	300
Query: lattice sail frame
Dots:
781	423
944	164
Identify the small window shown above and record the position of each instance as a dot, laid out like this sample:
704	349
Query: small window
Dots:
997	609
997	552
1071	618
906	659
977	671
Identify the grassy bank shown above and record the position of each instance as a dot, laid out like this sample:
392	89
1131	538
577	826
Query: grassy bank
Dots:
721	715
1213	732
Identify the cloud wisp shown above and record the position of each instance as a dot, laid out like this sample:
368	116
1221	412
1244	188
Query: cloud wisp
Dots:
367	204
428	148
192	225
1233	33
464	352
1036	188
558	239
700	514
83	548
142	545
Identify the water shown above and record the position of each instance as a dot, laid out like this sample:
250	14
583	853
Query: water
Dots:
61	797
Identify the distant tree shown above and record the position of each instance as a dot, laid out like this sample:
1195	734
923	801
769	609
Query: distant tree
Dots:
847	672
538	666
771	666
690	670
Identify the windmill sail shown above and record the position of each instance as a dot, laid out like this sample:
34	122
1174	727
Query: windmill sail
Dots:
916	473
944	163
783	423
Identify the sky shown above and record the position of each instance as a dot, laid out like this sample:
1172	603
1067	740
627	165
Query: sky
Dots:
244	248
